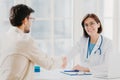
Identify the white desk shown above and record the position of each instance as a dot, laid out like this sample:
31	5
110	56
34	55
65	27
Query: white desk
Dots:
56	75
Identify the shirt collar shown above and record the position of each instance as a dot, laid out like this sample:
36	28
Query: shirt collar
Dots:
17	30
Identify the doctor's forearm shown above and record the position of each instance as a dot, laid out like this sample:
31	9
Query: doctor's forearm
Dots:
85	69
81	68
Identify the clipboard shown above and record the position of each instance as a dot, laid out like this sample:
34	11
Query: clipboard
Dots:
75	72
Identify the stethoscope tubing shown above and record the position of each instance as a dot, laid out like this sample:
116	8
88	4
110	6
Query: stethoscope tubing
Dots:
99	48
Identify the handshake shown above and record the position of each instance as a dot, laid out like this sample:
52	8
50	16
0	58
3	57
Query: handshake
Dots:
65	61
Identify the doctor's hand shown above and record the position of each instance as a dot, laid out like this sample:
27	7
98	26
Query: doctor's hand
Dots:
81	68
64	59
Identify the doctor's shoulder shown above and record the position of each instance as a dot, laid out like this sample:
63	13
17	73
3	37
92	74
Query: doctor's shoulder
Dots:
107	44
107	41
81	42
83	39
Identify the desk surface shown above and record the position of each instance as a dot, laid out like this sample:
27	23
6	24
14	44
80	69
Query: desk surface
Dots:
56	75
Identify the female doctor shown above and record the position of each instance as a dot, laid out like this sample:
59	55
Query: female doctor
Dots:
93	47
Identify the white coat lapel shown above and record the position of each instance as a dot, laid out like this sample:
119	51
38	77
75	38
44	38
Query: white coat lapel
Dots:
94	57
86	48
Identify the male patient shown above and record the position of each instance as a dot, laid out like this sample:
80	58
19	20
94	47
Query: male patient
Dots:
20	52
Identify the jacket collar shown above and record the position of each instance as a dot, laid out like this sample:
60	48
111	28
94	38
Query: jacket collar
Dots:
16	33
15	30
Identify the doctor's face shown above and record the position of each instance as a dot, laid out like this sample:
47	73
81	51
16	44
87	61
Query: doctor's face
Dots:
91	26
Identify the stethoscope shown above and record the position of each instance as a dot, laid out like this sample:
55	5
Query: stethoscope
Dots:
99	48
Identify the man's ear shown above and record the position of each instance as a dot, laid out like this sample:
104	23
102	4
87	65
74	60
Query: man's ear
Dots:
24	21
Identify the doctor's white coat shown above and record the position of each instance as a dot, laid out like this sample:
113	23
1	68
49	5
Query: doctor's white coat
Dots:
19	53
98	64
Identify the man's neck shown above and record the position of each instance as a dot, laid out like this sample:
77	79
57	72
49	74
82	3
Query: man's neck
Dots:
21	28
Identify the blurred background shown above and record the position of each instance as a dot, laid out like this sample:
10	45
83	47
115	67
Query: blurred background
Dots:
57	25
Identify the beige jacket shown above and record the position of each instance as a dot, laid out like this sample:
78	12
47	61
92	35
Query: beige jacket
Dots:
19	53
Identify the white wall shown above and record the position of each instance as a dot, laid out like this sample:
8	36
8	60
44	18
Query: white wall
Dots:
116	25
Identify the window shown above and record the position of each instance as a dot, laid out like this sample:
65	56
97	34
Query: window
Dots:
108	18
53	25
5	6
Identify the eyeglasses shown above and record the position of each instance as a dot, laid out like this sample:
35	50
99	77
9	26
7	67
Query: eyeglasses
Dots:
31	18
90	24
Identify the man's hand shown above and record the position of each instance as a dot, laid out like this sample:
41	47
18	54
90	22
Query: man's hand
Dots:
64	59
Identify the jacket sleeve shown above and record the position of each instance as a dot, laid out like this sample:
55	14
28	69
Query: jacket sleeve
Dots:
30	49
75	50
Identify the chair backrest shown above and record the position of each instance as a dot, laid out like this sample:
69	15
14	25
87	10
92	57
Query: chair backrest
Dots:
14	67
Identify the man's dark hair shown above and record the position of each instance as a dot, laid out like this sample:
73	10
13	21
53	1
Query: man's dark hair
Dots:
18	13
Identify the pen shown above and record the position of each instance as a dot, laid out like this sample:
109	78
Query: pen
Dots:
71	70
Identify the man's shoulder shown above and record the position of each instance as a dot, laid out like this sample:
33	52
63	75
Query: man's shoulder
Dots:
26	39
25	42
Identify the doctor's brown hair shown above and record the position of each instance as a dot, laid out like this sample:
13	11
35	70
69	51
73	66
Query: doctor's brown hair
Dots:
93	16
